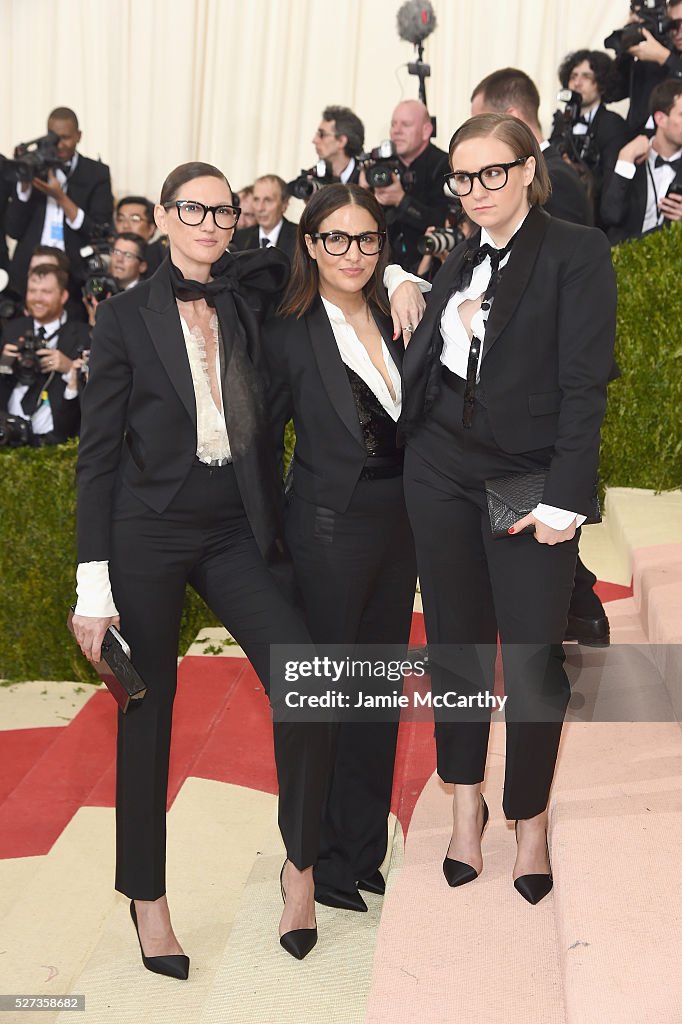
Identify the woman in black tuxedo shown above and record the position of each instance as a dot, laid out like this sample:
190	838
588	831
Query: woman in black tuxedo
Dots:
177	484
335	370
506	374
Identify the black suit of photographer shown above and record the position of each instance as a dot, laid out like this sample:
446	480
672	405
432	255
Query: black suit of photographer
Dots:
635	79
624	203
89	186
73	338
423	205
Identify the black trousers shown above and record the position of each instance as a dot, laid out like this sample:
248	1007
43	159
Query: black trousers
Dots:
473	586
203	539
357	573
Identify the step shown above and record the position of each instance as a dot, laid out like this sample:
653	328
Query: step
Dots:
638	518
215	833
258	981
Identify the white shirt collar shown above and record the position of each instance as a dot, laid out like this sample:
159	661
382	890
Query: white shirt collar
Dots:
653	153
52	327
272	234
348	170
487	240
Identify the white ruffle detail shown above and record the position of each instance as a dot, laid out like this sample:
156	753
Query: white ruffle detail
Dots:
212	441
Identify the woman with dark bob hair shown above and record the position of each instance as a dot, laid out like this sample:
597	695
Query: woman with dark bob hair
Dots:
505	376
177	484
335	370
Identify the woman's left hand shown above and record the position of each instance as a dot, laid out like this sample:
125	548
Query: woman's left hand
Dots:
407	309
544	534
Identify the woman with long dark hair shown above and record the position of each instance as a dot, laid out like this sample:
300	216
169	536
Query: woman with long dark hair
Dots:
177	484
335	370
505	376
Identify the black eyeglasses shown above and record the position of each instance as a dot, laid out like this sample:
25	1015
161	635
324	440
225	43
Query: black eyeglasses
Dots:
492	177
193	214
337	243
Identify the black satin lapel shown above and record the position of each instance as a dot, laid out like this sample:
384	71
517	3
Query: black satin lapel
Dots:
332	370
163	323
516	276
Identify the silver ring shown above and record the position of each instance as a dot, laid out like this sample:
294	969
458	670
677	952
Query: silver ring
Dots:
409	328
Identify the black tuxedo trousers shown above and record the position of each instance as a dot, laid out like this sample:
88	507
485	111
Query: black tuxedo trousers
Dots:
203	538
473	586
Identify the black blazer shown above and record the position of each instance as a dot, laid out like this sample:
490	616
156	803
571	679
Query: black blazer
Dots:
90	188
569	199
247	238
623	203
139	413
547	356
74	338
309	384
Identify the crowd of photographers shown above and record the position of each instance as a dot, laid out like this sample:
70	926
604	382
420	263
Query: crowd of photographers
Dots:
74	248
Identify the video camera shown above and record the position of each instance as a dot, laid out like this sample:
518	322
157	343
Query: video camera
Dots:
653	16
33	160
382	164
579	147
311	180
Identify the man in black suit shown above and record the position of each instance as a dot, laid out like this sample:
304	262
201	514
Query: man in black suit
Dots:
637	196
643	66
62	211
592	141
511	91
45	391
340	139
135	214
270	200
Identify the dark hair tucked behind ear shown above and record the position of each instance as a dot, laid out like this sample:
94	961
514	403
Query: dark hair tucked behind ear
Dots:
304	284
188	172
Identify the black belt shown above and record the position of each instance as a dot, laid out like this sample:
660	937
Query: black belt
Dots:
382	467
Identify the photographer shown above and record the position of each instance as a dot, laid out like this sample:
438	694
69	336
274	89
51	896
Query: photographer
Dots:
63	210
40	361
641	67
645	189
589	136
415	199
340	139
135	215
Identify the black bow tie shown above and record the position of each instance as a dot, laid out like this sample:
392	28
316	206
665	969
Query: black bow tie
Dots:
265	270
476	256
675	164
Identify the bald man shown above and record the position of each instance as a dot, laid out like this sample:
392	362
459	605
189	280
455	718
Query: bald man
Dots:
415	199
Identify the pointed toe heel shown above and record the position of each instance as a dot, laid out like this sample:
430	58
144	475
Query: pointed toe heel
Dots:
456	871
174	965
299	941
534	888
373	883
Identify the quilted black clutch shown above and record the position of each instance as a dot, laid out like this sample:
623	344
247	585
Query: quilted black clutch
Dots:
512	497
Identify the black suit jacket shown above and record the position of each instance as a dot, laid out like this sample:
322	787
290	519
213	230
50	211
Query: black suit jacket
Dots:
139	412
547	356
90	188
73	338
247	238
309	384
569	199
623	203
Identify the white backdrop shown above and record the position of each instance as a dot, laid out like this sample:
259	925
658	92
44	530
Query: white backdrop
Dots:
241	83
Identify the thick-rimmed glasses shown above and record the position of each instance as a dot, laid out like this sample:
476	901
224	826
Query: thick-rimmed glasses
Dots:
193	214
337	243
492	177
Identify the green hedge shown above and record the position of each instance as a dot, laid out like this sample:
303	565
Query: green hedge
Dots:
640	448
641	439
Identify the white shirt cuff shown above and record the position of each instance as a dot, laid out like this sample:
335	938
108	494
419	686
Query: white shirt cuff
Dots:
24	196
625	169
70	394
77	220
557	518
93	588
395	276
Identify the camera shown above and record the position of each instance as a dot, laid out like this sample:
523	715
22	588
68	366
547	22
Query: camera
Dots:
652	14
33	159
9	308
84	372
382	163
309	181
25	366
14	431
99	283
579	148
440	240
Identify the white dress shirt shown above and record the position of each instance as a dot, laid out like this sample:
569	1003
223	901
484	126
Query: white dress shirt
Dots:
347	172
272	235
355	355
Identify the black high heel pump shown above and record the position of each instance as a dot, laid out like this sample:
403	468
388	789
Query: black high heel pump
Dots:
174	965
300	941
535	887
456	871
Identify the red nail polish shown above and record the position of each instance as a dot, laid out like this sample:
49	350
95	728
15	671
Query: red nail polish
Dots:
510	530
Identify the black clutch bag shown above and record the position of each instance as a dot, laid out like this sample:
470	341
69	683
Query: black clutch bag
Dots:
512	497
116	670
